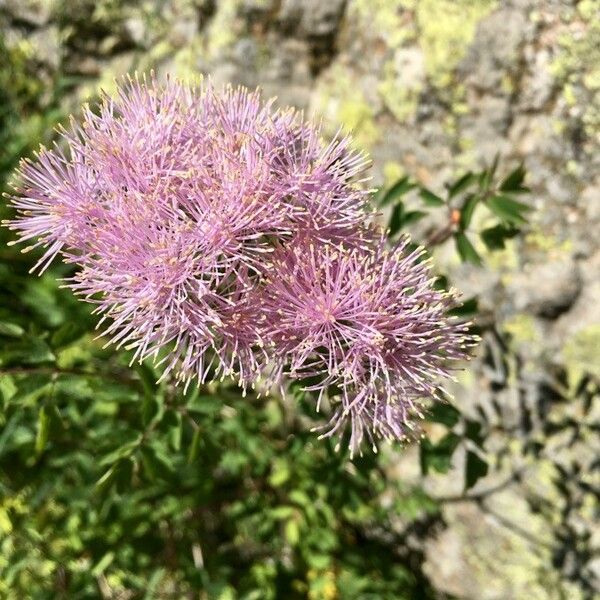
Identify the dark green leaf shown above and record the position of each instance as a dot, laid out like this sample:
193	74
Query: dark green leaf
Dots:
443	413
476	468
194	449
413	216
66	334
173	423
429	198
438	456
124	473
156	464
466	250
467	308
28	350
473	432
396	220
495	237
509	210
150	409
147	378
514	181
441	283
399	189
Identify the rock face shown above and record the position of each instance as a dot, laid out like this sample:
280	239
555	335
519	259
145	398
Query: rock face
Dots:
548	289
426	96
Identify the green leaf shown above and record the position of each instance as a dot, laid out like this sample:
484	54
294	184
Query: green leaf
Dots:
319	561
203	404
487	175
466	213
467	308
476	468
176	434
465	249
300	498
43	430
429	198
280	473
124	473
66	334
441	283
103	564
194	449
147	378
495	237
438	456
412	217
399	189
105	482
444	413
461	184
473	432
124	450
509	210
396	219
28	350
400	218
152	591
31	389
514	181
281	513
11	329
150	409
156	464
292	532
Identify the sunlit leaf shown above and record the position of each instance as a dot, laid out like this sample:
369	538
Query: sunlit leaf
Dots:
43	430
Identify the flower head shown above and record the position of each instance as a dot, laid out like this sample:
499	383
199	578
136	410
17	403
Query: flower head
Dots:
370	325
208	224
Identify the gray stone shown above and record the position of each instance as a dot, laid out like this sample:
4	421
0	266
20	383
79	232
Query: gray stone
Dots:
546	289
539	85
135	27
47	46
32	12
311	18
495	50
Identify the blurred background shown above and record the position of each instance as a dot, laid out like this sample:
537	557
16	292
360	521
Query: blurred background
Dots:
431	89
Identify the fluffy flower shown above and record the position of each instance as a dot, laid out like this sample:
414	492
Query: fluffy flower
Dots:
225	238
370	325
170	198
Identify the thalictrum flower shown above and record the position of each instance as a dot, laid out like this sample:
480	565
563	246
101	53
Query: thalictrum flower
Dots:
226	238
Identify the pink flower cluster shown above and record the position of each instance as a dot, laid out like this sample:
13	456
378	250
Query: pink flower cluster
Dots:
225	238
